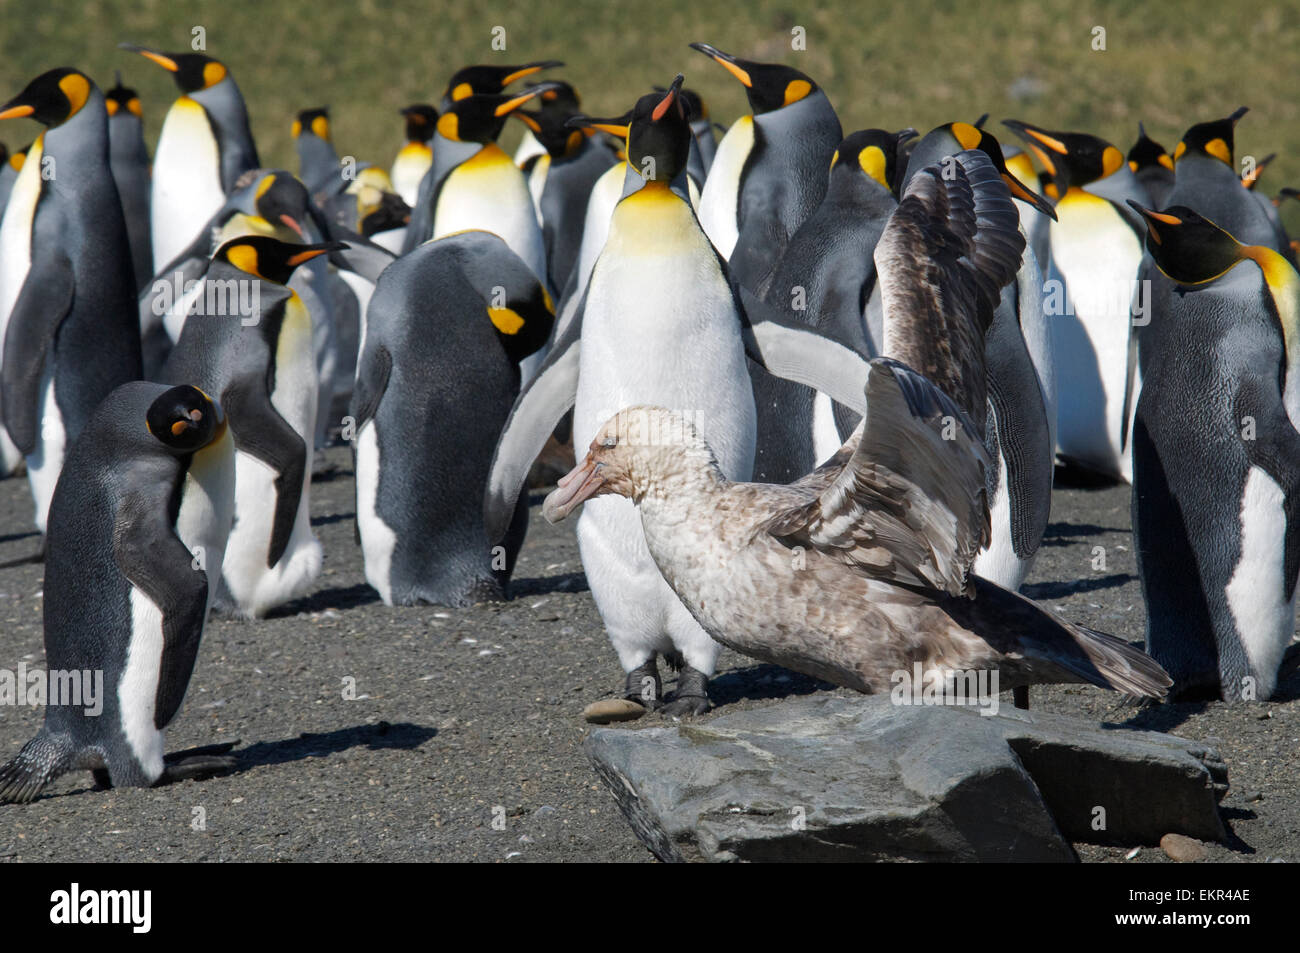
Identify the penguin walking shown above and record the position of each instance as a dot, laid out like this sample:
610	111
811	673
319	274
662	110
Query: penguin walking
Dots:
1216	454
67	288
660	324
416	155
204	147
473	184
769	172
128	157
827	278
453	317
137	528
1092	295
248	342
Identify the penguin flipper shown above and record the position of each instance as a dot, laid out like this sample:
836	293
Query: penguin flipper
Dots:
261	431
154	560
43	303
371	383
538	408
796	352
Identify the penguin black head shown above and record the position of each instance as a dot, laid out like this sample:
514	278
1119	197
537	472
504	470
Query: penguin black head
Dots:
1186	246
421	119
769	86
269	258
480	118
1071	158
954	137
1214	139
548	124
52	98
873	152
122	99
315	121
185	419
657	130
282	199
1146	152
489	80
193	72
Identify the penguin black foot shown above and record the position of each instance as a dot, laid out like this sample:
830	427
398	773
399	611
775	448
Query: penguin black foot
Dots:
691	696
644	686
195	763
1020	697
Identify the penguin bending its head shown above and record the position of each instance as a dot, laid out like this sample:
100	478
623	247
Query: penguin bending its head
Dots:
137	528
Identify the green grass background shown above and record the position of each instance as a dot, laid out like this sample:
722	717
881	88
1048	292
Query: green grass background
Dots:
887	64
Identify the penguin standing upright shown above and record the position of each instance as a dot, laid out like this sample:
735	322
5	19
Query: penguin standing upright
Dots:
318	162
1092	295
204	147
416	155
769	172
137	528
129	159
1206	179
10	456
488	80
1216	454
705	145
660	325
473	184
1153	166
67	290
248	342
827	278
452	318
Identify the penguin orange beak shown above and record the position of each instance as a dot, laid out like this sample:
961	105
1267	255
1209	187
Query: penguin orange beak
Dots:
166	62
670	97
1019	191
728	62
289	220
615	127
1041	143
510	105
578	485
17	112
529	69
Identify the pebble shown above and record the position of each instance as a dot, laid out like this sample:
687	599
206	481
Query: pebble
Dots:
1183	849
613	709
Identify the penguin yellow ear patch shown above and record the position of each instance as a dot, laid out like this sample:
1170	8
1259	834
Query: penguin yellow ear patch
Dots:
449	126
967	135
462	91
77	88
1166	161
243	257
111	106
1111	161
505	320
872	161
796	90
1219	149
213	73
296	129
133	107
1179	150
321	127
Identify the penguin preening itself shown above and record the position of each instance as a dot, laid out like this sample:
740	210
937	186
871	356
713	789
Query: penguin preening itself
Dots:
474	184
251	348
769	172
128	157
452	318
204	147
1216	455
826	278
67	288
416	155
137	528
1092	295
1153	166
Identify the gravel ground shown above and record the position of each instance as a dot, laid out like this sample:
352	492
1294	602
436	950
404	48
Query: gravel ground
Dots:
468	721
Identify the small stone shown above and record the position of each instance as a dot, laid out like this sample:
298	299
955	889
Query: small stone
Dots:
613	709
1250	796
1185	850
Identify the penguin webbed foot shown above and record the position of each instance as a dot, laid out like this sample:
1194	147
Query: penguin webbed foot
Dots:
691	697
644	686
197	763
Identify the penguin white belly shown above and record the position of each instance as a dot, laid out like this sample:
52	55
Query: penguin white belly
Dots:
46	462
825	434
537	184
207	508
719	201
186	179
1096	256
659	328
377	538
137	691
15	262
528	147
998	561
487	191
1256	593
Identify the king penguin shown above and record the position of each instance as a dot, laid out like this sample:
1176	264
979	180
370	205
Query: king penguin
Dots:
769	172
129	159
67	288
1153	166
1216	454
416	155
318	162
250	346
488	80
137	528
453	317
473	184
659	325
204	147
1092	295
1206	179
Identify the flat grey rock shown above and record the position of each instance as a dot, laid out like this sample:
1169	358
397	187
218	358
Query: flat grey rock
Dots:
860	779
